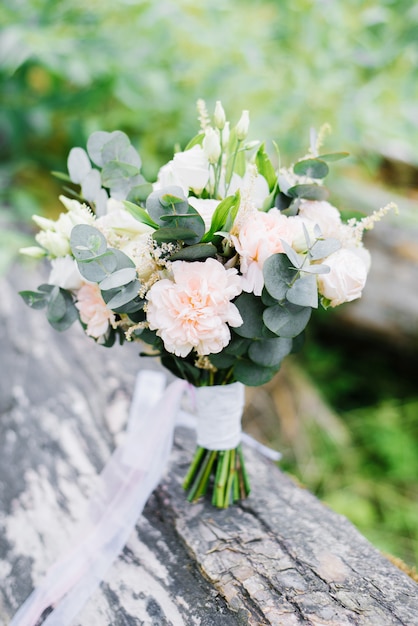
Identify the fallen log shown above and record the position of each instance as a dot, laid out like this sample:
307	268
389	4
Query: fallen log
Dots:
280	557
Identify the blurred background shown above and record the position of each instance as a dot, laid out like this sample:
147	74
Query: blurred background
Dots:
344	411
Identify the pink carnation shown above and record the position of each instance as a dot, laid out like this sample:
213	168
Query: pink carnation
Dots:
93	310
259	237
193	309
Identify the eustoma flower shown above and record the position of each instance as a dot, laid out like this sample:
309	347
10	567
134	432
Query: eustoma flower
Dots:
192	310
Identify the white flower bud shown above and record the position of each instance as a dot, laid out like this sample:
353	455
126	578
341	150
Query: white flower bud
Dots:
212	145
243	125
43	222
219	116
33	251
225	135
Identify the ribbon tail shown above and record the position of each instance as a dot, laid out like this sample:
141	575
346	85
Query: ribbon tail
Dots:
126	483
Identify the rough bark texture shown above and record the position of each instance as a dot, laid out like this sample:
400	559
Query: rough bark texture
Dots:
279	558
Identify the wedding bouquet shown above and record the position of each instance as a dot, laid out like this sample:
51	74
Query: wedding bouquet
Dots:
214	268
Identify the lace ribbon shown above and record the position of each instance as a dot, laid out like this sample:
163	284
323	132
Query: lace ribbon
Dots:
125	484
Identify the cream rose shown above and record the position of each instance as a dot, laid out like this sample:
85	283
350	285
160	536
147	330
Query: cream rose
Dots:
65	274
192	311
324	214
347	276
93	310
205	208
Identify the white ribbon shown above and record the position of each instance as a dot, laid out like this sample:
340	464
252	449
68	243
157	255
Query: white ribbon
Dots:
125	484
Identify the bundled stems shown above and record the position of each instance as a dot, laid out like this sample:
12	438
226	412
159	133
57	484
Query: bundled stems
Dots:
221	470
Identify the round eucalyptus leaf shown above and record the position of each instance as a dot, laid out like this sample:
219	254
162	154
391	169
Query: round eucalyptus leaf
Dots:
270	352
195	253
278	274
238	346
251	374
304	291
309	192
78	165
157	208
95	144
87	242
115	147
313	168
118	278
323	248
56	305
91	185
251	309
288	320
222	360
124	295
116	174
139	193
96	270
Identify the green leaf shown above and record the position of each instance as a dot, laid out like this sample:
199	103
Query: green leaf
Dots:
309	192
61	176
265	167
304	291
197	140
238	346
118	279
287	320
34	299
278	275
223	216
87	242
251	309
195	253
333	156
270	352
313	168
251	374
139	213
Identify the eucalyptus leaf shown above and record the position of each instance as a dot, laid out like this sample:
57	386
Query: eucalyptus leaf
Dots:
118	278
304	291
173	234
282	201
238	346
124	295
252	375
87	242
223	360
286	320
156	208
34	299
117	173
139	193
251	309
293	256
56	305
324	247
312	168
91	185
309	192
270	352
318	268
78	164
95	144
95	270
278	275
194	253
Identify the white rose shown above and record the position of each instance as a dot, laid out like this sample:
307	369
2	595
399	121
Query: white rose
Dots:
346	279
65	273
192	169
167	178
121	222
205	208
324	214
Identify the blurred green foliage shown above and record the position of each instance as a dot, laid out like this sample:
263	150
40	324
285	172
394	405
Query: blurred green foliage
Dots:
68	68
